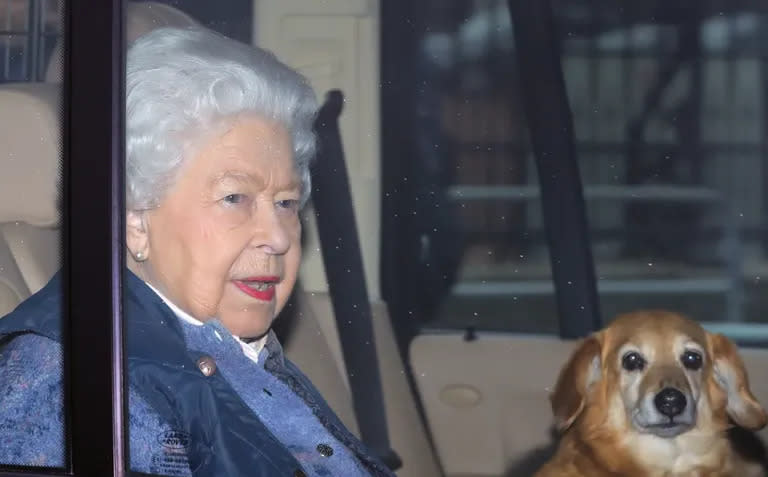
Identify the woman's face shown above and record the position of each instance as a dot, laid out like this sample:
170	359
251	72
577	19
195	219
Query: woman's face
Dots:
225	241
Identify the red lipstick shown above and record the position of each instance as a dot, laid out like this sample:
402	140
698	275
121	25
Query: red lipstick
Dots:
261	288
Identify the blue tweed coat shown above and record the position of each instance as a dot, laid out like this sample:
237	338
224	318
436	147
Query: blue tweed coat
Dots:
247	418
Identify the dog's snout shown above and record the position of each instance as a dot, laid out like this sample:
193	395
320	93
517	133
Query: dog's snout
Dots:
670	402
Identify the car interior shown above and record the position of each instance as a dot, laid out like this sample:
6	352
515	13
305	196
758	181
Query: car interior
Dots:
448	412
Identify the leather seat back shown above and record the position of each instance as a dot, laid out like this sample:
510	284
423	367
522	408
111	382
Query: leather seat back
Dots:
30	132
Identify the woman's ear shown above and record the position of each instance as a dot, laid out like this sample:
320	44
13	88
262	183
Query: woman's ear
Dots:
576	379
730	375
136	235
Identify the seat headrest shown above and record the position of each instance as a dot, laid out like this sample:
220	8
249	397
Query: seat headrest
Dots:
30	156
140	18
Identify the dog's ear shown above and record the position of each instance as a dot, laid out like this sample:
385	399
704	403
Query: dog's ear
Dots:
575	381
730	375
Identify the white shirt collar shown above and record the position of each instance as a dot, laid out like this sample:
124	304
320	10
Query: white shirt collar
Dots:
251	349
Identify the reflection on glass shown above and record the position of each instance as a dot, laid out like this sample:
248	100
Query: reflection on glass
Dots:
669	118
31	406
471	250
668	109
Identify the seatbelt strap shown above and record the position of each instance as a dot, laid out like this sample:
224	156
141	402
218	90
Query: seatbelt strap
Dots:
550	124
340	245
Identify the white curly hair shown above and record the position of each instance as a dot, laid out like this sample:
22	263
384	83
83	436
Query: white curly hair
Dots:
183	85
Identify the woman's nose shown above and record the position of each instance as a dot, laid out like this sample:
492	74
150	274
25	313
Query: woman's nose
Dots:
271	233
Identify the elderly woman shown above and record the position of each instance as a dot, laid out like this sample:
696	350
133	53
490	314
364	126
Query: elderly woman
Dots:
219	140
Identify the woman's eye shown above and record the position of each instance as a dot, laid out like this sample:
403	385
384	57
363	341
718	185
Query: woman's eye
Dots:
289	204
235	199
632	361
691	360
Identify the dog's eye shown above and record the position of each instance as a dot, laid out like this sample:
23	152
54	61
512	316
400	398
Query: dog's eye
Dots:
632	361
691	360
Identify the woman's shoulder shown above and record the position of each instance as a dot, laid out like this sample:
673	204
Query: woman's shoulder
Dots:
28	360
32	410
31	415
39	314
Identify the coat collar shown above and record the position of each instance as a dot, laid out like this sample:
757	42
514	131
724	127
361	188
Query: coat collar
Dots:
152	331
40	313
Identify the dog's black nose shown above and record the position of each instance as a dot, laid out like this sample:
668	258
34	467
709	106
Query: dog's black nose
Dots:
670	402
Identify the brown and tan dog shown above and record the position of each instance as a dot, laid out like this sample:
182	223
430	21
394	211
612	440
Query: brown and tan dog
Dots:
653	394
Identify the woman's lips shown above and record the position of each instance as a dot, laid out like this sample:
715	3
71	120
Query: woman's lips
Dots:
266	291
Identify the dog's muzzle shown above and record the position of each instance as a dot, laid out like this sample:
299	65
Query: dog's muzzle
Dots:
667	413
670	402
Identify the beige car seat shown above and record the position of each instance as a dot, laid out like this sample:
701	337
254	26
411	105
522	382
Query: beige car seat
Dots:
29	238
29	251
140	18
30	132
